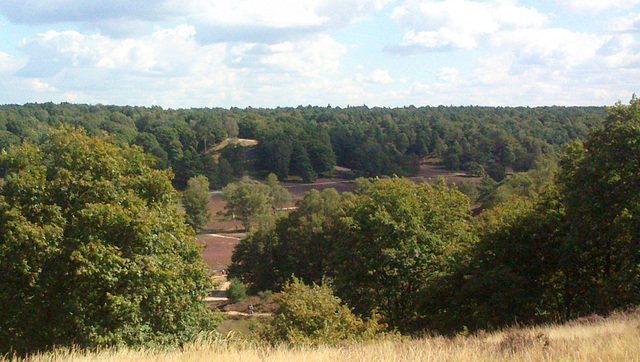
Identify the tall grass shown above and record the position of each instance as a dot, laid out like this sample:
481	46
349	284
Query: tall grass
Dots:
613	339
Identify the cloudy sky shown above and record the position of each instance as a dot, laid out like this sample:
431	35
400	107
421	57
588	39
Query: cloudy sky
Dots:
269	53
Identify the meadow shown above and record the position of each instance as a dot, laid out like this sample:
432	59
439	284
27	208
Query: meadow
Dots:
616	338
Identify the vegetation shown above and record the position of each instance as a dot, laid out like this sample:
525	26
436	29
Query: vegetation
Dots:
306	142
237	291
92	242
299	243
613	339
94	250
312	315
396	240
195	200
247	202
552	251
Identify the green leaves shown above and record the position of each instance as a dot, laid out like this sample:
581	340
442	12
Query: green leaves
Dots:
396	238
94	249
311	315
196	202
599	183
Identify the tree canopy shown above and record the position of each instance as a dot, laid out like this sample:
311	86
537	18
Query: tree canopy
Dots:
93	249
306	142
396	240
196	202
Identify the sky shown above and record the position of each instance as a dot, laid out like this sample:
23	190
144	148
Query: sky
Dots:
282	53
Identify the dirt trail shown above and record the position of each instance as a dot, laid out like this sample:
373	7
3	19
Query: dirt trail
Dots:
220	294
243	314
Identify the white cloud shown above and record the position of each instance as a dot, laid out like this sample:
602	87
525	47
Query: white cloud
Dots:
55	11
460	23
626	24
449	75
620	51
378	76
595	6
162	52
553	47
170	67
10	64
40	86
266	21
271	21
311	57
518	59
441	39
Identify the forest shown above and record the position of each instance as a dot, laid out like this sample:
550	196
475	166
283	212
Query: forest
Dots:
306	142
96	252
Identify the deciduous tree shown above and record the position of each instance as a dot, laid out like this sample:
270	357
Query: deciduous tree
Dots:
93	250
247	202
195	200
396	240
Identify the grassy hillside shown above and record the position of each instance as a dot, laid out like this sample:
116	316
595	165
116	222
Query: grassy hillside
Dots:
616	338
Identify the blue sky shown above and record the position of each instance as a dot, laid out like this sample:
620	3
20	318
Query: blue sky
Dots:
270	53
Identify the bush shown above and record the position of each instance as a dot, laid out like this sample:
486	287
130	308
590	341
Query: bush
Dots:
237	291
311	315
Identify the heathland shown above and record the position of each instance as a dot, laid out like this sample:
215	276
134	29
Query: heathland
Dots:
430	233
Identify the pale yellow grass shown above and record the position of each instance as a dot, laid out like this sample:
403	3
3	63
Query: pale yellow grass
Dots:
614	339
234	141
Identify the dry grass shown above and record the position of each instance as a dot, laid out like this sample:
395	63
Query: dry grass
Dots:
613	339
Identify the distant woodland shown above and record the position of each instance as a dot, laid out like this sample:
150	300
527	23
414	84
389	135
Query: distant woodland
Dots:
306	142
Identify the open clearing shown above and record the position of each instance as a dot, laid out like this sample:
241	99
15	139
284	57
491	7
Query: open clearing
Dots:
223	235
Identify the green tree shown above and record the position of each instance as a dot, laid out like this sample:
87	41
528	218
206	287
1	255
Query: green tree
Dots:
253	261
281	197
93	250
512	274
396	240
599	181
298	244
300	164
247	202
195	200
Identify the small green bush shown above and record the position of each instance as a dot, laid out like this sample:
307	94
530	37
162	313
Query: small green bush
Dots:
265	294
237	291
312	315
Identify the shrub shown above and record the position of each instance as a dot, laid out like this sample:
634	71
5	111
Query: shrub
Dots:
311	315
237	291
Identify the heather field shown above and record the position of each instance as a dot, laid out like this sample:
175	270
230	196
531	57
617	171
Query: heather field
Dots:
222	235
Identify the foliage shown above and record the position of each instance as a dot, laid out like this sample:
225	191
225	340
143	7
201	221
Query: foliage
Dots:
525	184
513	271
247	202
567	252
311	315
396	240
299	243
309	141
195	200
599	182
281	197
253	260
237	291
93	249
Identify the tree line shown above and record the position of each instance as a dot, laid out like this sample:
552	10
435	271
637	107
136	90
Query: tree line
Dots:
306	142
